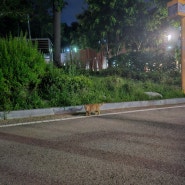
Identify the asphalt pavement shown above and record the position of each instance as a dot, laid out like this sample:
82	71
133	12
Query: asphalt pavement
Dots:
137	146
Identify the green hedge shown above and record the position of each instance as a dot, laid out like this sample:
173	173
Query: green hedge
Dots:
138	61
22	67
60	89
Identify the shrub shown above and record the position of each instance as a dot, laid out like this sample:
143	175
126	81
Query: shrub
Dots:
22	67
135	64
61	89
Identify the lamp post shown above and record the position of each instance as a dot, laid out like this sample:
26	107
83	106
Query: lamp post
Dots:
183	53
176	8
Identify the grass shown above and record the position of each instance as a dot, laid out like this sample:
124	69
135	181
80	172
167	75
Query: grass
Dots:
117	89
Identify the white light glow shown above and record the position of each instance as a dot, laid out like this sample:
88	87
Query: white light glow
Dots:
169	37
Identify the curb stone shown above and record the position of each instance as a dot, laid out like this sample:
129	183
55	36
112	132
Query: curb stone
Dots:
76	109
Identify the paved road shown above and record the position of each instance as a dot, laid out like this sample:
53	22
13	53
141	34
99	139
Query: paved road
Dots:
139	147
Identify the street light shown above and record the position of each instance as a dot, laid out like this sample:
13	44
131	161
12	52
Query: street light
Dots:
169	37
176	8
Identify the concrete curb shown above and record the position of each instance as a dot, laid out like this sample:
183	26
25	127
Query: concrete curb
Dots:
142	103
76	109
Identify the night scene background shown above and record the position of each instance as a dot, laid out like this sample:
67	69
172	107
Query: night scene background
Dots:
92	93
87	52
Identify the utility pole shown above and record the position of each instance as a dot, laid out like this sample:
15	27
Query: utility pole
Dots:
29	30
183	52
176	8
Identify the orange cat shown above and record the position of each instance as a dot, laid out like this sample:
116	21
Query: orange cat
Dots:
92	108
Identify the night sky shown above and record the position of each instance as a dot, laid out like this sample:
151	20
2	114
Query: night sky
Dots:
73	8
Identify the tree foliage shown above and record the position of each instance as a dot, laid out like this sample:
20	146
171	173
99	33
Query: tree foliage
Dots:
13	8
137	24
15	14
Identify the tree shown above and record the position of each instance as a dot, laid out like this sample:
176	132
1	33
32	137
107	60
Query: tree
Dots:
12	14
57	6
41	18
15	14
69	34
135	23
106	24
13	8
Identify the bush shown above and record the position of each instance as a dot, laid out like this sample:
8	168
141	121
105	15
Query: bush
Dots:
143	65
22	67
61	89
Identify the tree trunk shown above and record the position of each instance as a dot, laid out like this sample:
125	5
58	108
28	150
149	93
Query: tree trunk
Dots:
57	35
